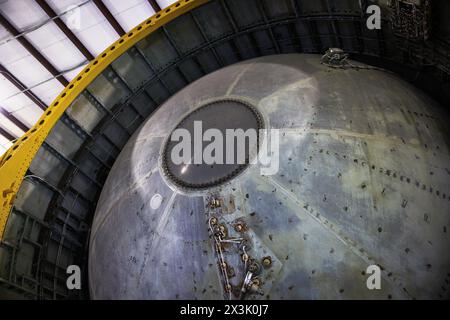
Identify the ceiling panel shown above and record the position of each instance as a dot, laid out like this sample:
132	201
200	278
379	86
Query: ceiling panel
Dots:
10	127
22	13
72	74
48	90
12	100
29	71
28	113
4	144
165	3
94	30
56	47
10	49
47	40
129	13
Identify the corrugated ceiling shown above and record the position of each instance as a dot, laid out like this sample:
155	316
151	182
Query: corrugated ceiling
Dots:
88	24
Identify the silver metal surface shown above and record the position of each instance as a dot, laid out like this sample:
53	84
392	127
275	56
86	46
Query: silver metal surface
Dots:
364	179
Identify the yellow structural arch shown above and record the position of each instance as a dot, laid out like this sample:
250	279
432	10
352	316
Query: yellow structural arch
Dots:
15	162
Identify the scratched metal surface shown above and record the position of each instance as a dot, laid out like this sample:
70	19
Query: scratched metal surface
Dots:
364	179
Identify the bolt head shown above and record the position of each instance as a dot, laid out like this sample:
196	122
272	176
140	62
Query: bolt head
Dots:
267	262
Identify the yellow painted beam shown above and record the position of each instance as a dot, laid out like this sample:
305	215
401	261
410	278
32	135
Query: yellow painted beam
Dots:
15	162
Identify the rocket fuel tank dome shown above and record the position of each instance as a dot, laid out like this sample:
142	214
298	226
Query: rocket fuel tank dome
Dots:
350	190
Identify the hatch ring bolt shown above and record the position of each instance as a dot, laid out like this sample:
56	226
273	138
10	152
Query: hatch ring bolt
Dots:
254	267
213	221
254	286
266	262
240	226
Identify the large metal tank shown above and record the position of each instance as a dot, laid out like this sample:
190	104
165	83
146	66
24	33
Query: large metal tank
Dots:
363	179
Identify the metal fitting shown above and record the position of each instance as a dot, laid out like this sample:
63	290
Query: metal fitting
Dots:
267	262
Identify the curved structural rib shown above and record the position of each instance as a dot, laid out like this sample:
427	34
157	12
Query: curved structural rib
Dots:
15	162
